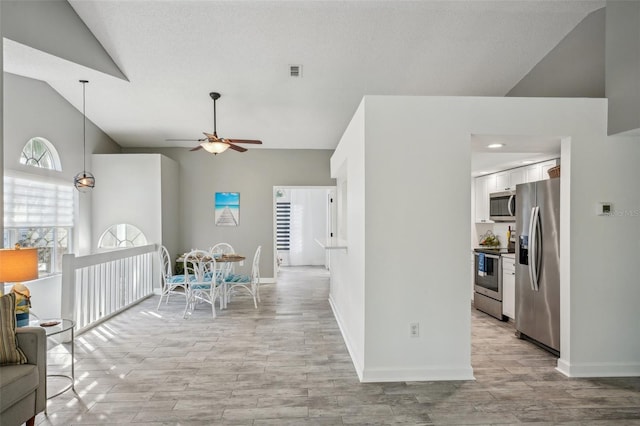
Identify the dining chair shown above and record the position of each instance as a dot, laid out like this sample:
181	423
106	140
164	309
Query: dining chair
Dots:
224	268
249	283
221	248
204	284
171	284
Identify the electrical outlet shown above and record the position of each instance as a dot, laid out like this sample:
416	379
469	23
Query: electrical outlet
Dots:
414	329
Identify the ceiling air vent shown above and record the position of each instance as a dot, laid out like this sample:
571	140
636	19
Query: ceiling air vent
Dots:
295	70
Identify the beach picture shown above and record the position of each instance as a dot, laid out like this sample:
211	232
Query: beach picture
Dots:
227	208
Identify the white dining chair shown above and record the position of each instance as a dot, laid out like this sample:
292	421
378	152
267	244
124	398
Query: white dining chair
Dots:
248	283
221	248
203	283
225	269
171	284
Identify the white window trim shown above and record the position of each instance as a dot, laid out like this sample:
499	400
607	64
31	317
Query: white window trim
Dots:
55	157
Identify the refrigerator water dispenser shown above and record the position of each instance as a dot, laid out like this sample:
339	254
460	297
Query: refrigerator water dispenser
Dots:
523	252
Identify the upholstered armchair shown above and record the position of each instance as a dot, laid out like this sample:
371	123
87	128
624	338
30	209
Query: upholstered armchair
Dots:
23	387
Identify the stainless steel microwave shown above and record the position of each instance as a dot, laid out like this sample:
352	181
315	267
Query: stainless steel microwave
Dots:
502	206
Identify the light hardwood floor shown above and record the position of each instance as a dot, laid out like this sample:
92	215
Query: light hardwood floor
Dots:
286	364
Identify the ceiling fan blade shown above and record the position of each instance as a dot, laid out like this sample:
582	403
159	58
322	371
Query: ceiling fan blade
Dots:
253	141
237	148
211	137
195	148
185	140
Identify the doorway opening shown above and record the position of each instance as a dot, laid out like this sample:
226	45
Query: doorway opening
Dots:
302	215
499	163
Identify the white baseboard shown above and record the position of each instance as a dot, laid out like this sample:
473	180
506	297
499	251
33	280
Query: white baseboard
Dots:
595	369
346	339
439	373
269	280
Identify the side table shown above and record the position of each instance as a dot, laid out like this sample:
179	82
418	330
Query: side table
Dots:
62	326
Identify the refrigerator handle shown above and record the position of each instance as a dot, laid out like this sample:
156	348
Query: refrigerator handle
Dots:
511	213
531	250
534	249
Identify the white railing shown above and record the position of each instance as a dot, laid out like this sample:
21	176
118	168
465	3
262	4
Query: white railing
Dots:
99	286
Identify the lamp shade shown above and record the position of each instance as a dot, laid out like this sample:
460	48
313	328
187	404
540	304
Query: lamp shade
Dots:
17	265
215	147
84	181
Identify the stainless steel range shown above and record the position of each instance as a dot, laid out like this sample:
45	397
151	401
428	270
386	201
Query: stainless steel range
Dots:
488	281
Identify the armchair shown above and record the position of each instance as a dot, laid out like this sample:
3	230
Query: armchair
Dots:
23	388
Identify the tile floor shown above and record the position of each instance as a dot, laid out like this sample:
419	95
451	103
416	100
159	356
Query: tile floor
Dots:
286	364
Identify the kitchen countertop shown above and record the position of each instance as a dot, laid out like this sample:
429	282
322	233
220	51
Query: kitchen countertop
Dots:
494	250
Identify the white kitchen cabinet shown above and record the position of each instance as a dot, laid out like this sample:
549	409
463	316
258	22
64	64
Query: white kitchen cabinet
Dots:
508	179
516	177
484	185
509	286
502	181
532	173
539	171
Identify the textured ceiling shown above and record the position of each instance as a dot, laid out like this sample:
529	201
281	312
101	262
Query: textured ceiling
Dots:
174	53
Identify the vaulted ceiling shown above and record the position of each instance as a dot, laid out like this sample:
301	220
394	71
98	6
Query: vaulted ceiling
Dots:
173	53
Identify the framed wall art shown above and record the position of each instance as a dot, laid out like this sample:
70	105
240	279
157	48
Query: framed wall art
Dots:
227	208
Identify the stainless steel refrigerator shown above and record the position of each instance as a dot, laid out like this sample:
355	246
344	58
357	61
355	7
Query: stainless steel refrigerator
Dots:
538	263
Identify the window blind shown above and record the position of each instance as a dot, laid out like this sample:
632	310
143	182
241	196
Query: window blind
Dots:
33	203
283	225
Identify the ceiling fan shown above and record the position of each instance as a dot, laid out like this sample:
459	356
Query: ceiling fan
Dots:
214	144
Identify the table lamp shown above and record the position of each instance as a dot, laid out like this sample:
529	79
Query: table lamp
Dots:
17	265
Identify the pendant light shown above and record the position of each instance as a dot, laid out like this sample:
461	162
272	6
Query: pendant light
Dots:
84	181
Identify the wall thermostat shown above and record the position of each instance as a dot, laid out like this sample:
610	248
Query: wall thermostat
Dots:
604	209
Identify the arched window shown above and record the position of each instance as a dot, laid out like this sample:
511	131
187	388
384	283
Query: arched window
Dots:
122	235
39	152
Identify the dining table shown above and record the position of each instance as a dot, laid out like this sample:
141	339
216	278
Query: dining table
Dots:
219	258
229	257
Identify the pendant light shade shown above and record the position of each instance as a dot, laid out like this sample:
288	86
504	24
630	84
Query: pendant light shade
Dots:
84	181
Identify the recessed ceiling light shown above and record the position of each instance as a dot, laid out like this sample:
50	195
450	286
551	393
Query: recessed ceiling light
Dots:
527	162
495	145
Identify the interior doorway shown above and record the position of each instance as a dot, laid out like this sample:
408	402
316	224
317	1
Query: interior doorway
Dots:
499	163
302	215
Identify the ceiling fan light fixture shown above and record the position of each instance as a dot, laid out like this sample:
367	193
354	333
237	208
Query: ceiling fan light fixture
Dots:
215	147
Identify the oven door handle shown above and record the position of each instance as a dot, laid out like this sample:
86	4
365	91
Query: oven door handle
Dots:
491	256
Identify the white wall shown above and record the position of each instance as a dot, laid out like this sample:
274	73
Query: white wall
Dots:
416	253
605	254
129	191
417	260
347	291
170	173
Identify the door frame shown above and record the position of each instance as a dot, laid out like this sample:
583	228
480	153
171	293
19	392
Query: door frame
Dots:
330	217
